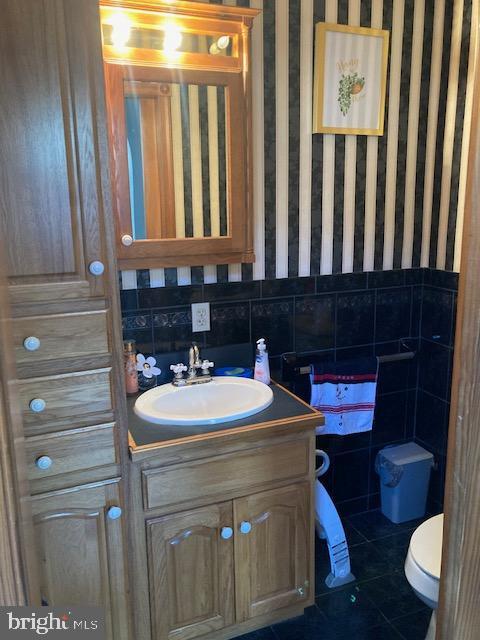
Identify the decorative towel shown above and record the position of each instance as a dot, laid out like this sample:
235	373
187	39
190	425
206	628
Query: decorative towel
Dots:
345	393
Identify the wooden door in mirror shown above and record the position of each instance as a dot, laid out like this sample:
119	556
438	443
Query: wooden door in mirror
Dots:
178	102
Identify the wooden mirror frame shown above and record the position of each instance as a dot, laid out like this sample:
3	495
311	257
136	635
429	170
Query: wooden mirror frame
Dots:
232	72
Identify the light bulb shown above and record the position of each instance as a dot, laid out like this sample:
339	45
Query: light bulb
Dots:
223	42
121	26
173	38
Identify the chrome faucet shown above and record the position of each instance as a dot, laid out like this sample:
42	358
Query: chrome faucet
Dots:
193	360
195	363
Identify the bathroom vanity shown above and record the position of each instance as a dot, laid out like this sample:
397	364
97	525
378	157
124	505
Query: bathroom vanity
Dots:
223	522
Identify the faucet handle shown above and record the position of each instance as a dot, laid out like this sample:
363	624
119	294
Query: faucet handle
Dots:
178	369
205	366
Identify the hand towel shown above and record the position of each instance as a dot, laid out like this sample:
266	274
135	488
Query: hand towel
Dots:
345	393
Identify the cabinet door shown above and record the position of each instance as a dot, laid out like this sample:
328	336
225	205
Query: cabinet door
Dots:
273	555
190	569
81	552
54	181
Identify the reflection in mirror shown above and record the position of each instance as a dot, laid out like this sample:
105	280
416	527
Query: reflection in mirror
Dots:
177	146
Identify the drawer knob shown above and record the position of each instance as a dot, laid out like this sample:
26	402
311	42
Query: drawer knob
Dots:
245	527
114	513
32	343
226	532
96	268
127	240
43	462
37	405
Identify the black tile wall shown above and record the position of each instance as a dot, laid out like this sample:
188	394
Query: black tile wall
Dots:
331	317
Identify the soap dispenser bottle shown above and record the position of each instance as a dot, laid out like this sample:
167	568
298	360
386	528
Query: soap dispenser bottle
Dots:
262	367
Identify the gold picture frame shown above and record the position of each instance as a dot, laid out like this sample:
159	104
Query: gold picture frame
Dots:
350	79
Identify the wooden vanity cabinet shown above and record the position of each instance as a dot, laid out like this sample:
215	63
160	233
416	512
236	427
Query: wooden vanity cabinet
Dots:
79	545
238	555
209	570
191	569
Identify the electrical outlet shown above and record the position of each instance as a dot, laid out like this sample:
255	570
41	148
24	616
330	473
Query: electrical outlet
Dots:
201	316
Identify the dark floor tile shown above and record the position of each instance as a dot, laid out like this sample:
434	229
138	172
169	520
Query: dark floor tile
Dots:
348	611
262	634
349	507
287	287
393	595
392	314
311	626
414	626
366	563
355	318
314	323
374	525
394	548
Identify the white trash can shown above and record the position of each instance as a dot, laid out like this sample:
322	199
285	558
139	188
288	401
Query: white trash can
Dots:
404	472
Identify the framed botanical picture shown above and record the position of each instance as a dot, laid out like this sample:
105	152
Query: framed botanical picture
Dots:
350	78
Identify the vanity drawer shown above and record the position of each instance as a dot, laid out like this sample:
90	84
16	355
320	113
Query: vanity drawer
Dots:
66	335
226	476
70	400
66	451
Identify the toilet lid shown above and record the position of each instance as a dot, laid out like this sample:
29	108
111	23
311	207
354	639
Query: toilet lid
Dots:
426	545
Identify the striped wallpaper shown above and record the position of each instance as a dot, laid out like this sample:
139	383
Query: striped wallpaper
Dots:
334	203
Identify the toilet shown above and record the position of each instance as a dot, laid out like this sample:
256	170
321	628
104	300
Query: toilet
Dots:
422	565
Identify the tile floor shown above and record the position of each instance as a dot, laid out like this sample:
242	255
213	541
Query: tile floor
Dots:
379	605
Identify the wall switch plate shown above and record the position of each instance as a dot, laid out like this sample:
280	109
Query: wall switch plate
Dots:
200	316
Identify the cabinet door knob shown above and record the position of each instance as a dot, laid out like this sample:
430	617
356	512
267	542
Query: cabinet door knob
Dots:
127	240
226	532
114	513
245	527
32	343
96	268
37	405
43	462
301	591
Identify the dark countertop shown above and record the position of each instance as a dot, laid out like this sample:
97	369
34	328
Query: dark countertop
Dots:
285	406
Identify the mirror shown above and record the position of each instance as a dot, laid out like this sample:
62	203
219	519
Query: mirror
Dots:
176	147
178	99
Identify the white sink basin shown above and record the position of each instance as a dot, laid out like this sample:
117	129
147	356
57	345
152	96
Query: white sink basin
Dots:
221	400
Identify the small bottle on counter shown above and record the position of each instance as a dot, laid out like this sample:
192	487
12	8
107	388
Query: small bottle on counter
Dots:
131	376
262	367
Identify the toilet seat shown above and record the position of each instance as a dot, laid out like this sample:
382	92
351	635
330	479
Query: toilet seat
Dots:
423	562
